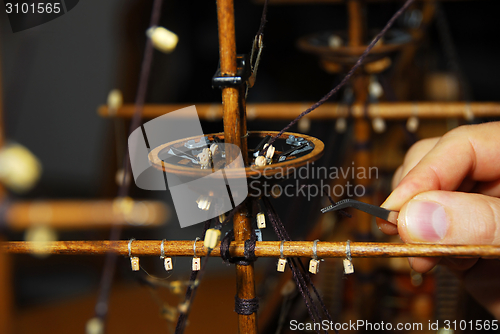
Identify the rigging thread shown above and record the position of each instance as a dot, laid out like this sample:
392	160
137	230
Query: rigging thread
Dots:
302	280
347	77
101	307
263	19
306	274
192	287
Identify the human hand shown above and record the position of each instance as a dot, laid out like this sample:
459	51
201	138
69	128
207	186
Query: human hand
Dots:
447	192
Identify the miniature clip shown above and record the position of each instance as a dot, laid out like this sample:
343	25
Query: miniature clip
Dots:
134	260
167	261
261	220
281	260
348	266
196	264
314	263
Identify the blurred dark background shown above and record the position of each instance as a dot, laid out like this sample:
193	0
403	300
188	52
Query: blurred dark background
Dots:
57	74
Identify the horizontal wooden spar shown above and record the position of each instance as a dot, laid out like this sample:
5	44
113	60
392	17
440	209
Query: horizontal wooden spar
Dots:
74	214
288	111
262	249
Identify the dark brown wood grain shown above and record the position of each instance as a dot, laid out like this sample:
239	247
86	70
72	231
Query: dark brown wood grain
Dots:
245	275
233	106
230	95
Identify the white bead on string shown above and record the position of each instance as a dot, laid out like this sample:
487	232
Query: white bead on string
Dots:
304	125
468	114
163	39
260	161
335	41
413	122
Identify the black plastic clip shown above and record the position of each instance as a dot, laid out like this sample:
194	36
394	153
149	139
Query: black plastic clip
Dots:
243	72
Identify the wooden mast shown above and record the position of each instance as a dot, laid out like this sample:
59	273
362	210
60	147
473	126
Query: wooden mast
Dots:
228	66
234	128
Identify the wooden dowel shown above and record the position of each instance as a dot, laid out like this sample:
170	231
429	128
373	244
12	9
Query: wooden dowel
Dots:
234	128
230	95
356	21
288	111
245	276
262	249
72	215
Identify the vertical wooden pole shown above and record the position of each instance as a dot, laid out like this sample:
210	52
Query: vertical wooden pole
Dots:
234	129
230	95
6	297
357	30
245	278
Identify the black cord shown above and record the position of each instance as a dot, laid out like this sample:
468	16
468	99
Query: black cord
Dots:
302	280
101	307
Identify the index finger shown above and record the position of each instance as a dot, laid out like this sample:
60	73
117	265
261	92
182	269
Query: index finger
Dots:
471	151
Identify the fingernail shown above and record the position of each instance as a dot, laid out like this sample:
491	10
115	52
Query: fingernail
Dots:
426	221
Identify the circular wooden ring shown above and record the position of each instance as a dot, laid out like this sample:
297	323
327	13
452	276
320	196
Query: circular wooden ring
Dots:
252	171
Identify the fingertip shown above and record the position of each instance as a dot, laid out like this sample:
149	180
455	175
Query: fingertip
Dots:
423	221
447	217
386	227
423	264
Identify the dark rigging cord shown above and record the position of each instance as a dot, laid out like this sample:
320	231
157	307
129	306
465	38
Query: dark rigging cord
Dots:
347	77
101	307
194	282
263	19
302	280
